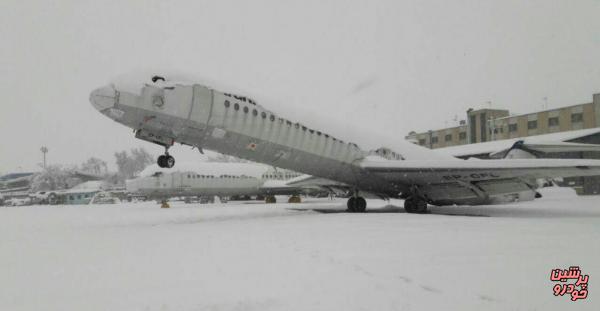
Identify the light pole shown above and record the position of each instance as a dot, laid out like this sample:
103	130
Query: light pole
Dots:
44	150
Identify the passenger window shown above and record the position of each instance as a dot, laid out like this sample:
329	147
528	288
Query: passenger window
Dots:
245	109
236	106
227	104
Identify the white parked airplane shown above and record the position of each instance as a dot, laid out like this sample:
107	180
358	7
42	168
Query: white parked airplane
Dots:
209	179
165	112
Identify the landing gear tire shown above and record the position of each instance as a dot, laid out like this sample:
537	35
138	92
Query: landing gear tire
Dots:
165	161
356	205
415	206
270	199
295	199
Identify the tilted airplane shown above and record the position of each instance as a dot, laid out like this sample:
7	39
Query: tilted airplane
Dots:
164	112
209	179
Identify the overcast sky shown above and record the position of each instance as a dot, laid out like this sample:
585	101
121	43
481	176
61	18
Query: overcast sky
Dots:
400	65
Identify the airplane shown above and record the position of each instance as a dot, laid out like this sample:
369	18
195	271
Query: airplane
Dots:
164	111
209	179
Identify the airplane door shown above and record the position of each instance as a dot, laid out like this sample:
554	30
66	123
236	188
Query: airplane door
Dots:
200	112
178	103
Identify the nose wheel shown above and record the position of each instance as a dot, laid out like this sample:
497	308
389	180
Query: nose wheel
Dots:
166	161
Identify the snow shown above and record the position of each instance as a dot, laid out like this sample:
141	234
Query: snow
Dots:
593	166
309	256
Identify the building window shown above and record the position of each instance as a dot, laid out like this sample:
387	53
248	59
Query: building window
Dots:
513	127
576	117
448	137
553	121
462	135
532	124
422	142
434	140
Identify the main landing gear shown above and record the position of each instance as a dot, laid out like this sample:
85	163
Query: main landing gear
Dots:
165	160
356	204
270	199
295	199
415	205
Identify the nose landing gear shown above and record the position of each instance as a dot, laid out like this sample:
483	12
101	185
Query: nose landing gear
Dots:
166	160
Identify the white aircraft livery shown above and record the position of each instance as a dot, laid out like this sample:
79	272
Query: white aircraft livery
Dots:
164	112
214	179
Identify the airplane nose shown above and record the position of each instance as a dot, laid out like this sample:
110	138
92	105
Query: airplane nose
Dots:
103	98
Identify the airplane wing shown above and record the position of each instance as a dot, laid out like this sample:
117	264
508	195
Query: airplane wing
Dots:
276	187
477	182
319	183
539	148
534	145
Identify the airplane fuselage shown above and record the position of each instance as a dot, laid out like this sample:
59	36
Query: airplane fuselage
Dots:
198	116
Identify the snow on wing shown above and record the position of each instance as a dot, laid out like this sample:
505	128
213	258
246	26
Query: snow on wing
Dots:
478	182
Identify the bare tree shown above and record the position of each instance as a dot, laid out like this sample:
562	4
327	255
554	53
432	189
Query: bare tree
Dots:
54	177
95	166
130	165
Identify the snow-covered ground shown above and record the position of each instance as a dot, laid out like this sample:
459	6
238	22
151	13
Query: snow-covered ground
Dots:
309	256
